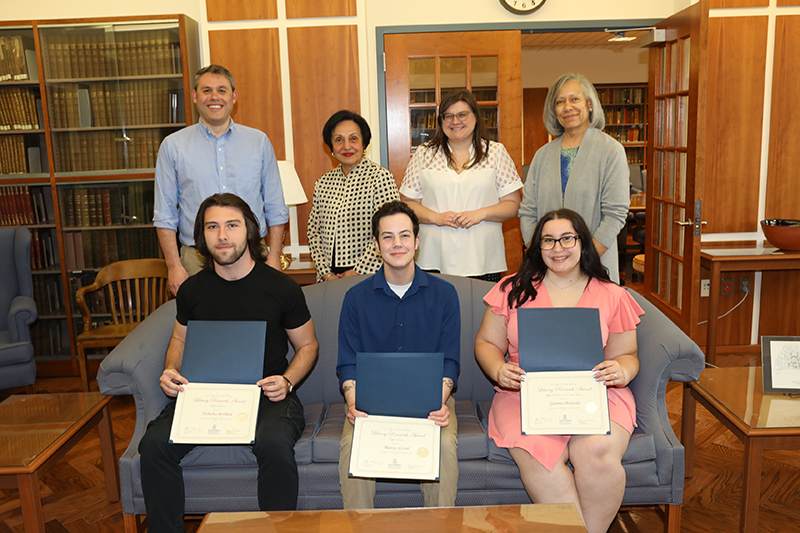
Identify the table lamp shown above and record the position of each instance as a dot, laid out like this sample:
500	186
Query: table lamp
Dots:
293	195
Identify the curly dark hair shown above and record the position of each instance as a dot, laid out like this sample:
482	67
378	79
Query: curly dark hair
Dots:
479	136
251	223
533	268
341	116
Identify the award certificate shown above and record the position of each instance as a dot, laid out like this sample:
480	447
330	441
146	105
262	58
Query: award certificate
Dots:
395	447
215	413
564	403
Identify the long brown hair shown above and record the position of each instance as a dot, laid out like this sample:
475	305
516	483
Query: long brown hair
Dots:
533	268
479	142
251	223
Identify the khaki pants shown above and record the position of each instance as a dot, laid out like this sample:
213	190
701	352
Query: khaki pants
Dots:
191	259
359	493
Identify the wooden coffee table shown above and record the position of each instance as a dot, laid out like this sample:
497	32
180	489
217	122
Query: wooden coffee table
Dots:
543	518
37	430
735	397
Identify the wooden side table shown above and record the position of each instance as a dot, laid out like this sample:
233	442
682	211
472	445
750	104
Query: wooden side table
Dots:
719	260
302	272
36	430
735	397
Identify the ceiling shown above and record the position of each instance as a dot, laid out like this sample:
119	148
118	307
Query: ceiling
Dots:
577	40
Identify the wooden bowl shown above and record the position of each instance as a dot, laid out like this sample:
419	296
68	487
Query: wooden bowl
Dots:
782	233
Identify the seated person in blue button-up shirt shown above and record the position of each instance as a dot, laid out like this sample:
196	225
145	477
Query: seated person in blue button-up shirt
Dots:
400	308
214	156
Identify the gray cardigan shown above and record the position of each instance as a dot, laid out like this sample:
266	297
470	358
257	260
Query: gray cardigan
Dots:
598	189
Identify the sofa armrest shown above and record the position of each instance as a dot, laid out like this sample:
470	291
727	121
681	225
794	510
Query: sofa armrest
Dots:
135	365
666	354
21	315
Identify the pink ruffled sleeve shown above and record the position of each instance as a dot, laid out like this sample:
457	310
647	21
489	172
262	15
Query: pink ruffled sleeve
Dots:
497	299
627	314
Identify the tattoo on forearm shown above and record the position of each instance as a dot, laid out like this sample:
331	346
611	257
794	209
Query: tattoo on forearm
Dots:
347	388
448	383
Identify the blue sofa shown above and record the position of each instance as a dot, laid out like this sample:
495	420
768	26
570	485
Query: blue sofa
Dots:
223	478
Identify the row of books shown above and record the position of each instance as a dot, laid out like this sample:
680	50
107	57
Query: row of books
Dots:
104	150
22	205
18	109
47	295
95	249
490	117
104	55
635	156
50	337
44	250
623	95
423	120
123	204
422	96
12	155
13	60
109	104
630	134
627	115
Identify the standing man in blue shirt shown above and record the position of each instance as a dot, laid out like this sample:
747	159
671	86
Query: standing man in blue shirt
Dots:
400	308
213	156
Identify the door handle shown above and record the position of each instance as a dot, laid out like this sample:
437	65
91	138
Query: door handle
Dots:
685	223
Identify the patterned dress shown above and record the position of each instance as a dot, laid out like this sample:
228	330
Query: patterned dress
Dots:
341	217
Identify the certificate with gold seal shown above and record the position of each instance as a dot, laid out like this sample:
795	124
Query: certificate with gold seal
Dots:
564	403
395	447
215	413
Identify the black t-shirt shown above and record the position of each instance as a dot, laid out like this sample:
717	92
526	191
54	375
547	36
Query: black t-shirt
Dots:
264	294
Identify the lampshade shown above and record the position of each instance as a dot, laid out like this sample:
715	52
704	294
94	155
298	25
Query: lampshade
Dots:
293	193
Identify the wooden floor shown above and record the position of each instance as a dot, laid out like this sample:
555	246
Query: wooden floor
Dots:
75	499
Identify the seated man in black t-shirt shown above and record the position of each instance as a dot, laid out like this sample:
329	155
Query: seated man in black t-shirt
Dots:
235	284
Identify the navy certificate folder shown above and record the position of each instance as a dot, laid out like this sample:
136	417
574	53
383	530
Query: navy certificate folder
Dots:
218	351
559	338
399	384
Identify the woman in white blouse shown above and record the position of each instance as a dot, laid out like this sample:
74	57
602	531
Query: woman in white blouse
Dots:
340	223
462	187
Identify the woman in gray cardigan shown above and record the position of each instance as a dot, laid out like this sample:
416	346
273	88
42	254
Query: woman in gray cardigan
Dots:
582	169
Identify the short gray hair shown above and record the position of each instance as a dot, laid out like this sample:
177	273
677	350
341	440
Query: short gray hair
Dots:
596	117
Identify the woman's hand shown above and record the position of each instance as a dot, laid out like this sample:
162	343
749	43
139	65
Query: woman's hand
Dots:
509	376
348	273
448	218
610	373
467	219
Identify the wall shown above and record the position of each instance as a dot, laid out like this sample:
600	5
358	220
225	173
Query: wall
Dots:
541	67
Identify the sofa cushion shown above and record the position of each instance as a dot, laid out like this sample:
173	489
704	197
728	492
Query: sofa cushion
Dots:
326	441
471	435
496	454
303	449
641	469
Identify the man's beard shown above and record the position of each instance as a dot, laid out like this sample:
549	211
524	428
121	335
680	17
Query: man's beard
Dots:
235	254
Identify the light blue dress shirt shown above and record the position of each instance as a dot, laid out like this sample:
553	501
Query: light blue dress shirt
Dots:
193	164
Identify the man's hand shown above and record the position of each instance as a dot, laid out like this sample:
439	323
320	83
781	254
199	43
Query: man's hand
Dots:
274	260
176	276
352	413
274	388
171	382
441	417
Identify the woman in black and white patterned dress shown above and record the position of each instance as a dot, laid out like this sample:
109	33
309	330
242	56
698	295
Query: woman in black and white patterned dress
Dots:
340	223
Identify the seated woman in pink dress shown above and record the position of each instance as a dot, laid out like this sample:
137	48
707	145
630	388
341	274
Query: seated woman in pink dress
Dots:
563	269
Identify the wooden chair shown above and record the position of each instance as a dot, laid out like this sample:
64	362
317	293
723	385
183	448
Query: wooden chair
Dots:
135	288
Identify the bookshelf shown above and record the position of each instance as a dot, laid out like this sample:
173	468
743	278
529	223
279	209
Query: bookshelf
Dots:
625	108
84	106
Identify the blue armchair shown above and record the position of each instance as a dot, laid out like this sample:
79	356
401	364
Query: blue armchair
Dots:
17	309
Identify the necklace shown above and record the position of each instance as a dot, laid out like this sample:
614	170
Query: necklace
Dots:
567	286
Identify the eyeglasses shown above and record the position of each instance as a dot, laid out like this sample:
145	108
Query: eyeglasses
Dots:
447	118
567	241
